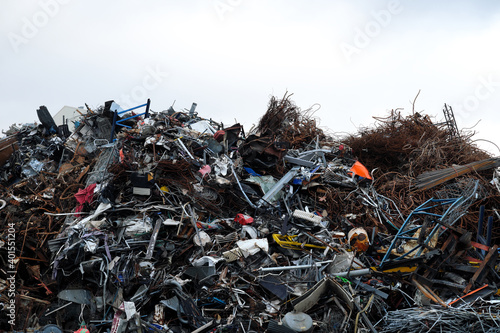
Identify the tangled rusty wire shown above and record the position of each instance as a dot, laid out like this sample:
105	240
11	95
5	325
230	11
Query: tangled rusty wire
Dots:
411	145
289	123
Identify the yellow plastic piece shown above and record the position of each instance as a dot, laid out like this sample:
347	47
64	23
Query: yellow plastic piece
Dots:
401	269
287	242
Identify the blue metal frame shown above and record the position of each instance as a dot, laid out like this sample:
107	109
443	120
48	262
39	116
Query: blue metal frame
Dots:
423	209
120	122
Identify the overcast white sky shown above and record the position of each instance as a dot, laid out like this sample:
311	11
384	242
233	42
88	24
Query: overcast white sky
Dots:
357	59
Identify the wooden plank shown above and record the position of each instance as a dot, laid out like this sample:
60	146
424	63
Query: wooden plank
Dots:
428	292
490	257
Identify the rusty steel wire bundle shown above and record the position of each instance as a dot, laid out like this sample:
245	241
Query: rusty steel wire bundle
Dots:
430	179
411	145
288	123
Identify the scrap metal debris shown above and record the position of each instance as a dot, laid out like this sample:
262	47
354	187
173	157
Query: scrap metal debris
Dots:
137	220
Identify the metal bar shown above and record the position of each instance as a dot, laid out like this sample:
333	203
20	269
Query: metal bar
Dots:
152	241
450	121
119	122
428	292
279	185
400	231
437	226
409	252
136	107
322	241
492	255
480	223
409	230
59	308
181	144
289	268
312	153
241	188
299	161
427	213
204	327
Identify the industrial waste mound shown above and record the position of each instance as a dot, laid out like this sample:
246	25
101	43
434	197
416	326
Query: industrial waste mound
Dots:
143	221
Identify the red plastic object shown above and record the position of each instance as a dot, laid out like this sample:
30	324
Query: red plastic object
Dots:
83	329
86	194
219	135
243	219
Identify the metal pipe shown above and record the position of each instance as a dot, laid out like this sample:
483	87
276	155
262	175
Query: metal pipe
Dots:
357	272
202	328
59	308
119	122
136	107
181	144
278	186
288	268
241	188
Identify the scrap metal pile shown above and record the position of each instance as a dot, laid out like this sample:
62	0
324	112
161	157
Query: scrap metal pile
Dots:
170	222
